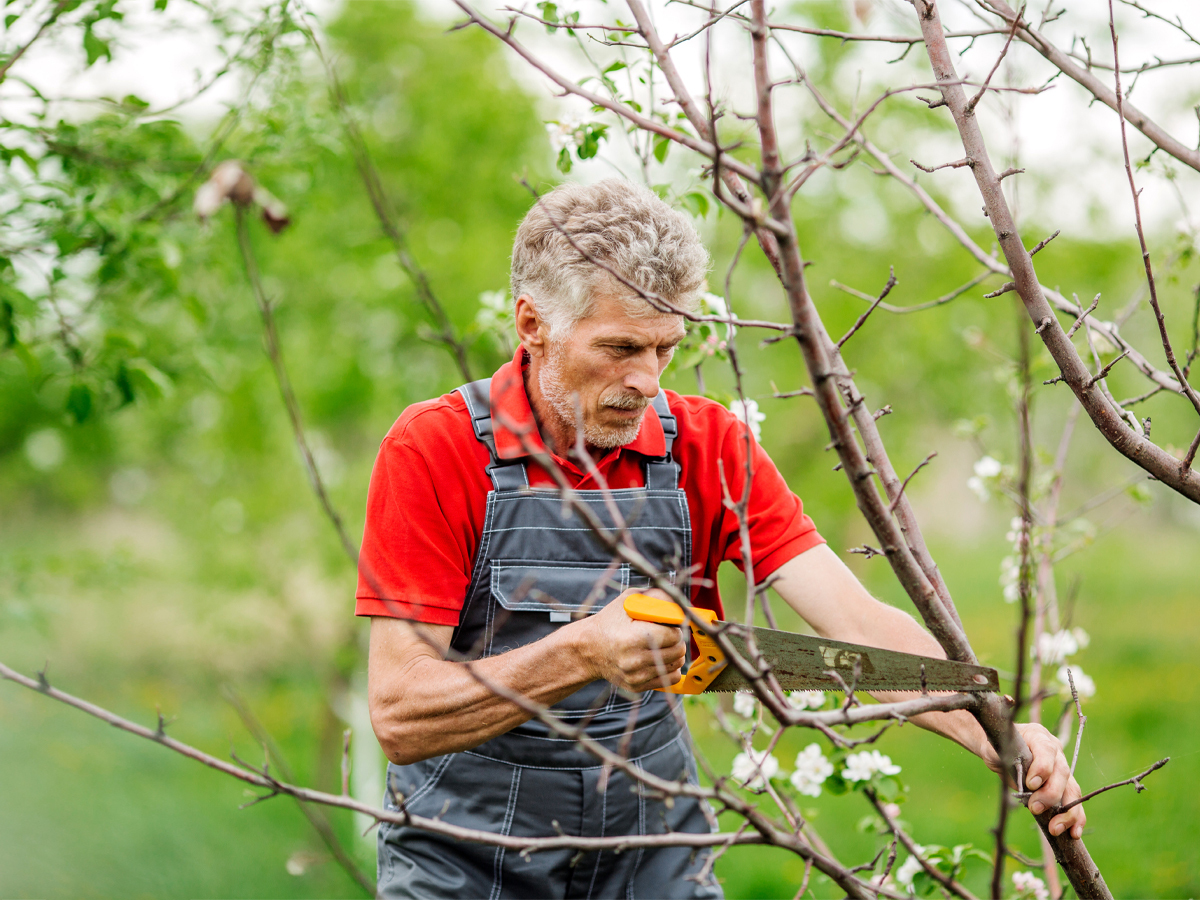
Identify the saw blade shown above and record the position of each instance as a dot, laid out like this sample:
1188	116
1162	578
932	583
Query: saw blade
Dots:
801	663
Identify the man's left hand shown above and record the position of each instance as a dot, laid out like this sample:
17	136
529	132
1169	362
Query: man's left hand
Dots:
1049	777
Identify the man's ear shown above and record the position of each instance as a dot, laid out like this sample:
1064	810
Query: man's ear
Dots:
531	330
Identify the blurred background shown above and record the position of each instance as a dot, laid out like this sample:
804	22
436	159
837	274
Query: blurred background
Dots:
161	549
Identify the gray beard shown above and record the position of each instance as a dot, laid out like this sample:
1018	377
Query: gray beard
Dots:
562	404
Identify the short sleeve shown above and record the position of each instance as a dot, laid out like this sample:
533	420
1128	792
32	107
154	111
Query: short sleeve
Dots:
424	513
779	527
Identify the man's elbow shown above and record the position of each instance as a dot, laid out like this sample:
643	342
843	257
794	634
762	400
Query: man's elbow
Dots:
399	733
402	732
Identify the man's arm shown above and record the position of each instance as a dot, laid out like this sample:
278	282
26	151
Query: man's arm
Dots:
423	705
819	586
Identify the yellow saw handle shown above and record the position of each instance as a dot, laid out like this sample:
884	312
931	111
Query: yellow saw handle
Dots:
708	663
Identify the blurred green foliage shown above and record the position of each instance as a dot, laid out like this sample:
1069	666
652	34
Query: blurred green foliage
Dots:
158	538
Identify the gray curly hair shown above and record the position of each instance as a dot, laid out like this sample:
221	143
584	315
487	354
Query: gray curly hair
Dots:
624	226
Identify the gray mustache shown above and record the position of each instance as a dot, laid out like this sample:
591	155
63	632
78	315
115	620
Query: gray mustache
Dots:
627	401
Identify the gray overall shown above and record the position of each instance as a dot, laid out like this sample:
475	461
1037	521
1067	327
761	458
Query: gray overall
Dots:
533	570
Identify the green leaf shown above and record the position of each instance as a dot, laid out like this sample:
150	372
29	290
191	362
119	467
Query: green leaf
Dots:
135	102
147	379
95	47
9	19
79	402
549	13
124	385
1140	494
592	136
160	5
8	324
564	160
924	885
615	67
889	788
695	202
662	146
9	153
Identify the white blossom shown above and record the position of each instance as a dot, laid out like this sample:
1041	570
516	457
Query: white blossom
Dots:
988	467
912	865
1083	683
812	768
1016	533
747	411
1082	638
1053	649
978	488
745	704
749	769
861	766
987	470
1030	886
714	304
807	699
563	134
1010	576
892	809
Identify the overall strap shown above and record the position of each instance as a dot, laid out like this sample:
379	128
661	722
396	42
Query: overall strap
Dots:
507	475
663	474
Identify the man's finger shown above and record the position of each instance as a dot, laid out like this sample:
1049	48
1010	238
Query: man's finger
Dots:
663	637
1074	819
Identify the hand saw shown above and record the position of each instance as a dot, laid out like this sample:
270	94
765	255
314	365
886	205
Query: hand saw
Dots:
802	662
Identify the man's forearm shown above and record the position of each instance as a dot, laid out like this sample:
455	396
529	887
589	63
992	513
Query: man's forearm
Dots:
423	705
428	706
819	587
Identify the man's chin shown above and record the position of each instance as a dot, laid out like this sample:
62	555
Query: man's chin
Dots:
608	437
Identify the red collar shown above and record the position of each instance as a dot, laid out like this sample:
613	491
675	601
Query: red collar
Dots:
512	417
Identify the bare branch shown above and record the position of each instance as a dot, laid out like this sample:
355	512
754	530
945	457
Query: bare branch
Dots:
1098	89
922	464
948	883
1136	781
275	354
254	776
974	101
887	289
385	213
1187	389
1107	419
1079	321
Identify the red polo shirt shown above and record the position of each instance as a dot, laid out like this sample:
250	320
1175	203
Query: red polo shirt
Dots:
428	497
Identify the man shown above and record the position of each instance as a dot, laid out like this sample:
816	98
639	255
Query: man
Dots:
468	553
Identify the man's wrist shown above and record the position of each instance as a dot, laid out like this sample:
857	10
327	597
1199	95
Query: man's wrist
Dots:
579	647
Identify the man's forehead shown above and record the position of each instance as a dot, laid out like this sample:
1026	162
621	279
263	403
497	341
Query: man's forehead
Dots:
638	329
633	316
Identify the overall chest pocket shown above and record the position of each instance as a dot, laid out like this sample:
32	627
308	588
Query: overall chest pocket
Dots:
561	591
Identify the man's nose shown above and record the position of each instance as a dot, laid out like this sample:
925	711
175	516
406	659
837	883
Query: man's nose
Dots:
643	375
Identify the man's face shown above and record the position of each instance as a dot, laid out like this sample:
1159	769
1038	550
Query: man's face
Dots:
611	363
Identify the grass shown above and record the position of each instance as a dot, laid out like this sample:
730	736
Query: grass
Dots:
91	812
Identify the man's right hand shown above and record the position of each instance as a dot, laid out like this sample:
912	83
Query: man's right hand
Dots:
636	656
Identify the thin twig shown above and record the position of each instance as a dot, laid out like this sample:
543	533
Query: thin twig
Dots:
1136	781
275	354
887	289
1184	385
1082	720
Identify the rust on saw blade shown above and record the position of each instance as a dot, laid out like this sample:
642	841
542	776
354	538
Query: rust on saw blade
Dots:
801	662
